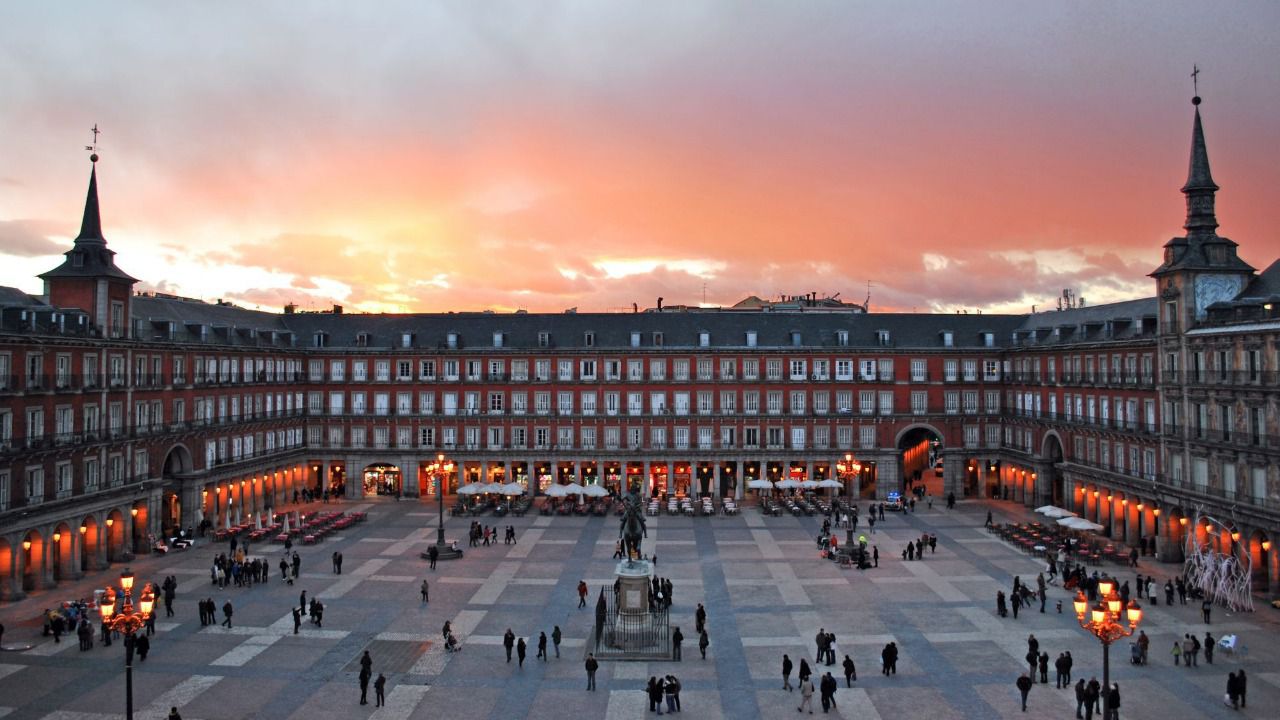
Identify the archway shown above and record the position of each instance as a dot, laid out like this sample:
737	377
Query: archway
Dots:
176	462
33	549
115	535
1051	451
62	553
381	479
90	543
1260	550
6	563
919	446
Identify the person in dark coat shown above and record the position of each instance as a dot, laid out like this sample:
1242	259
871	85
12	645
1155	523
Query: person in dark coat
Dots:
805	672
142	644
226	613
1080	696
592	665
1113	702
828	688
655	689
521	649
508	642
364	686
677	637
1044	667
703	642
1233	690
1024	689
379	685
890	658
542	647
1244	688
786	672
850	672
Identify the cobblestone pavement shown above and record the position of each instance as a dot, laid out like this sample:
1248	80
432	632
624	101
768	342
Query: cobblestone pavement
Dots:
765	589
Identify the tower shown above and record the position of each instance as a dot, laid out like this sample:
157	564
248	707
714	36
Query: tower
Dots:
1202	267
88	279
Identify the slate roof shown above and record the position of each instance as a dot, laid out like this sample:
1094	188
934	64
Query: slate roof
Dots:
89	256
1264	285
1112	321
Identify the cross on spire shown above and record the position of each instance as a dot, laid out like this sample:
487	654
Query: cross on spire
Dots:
93	149
1195	82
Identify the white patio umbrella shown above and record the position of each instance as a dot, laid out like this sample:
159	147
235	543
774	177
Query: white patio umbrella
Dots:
573	489
557	491
492	487
787	484
830	483
1054	511
808	484
760	485
1079	523
513	488
471	489
595	491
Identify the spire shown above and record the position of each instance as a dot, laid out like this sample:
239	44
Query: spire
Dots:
91	225
1200	187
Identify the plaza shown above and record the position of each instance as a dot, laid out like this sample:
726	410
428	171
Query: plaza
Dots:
765	588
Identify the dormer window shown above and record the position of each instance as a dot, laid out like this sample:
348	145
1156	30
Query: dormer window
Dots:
796	338
497	339
406	340
842	338
988	339
362	339
635	338
948	339
704	339
544	339
319	339
589	339
657	339
882	338
77	259
451	340
751	338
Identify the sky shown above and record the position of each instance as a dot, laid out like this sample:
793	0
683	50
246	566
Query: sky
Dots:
435	156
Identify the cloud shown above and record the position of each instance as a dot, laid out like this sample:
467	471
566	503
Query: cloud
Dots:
31	238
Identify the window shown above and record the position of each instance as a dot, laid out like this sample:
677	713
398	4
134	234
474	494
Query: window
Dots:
882	338
359	371
542	370
844	370
635	339
657	369
751	338
657	339
798	368
990	370
704	339
589	339
919	402
544	339
565	370
951	402
867	437
842	338
751	369
587	369
680	369
427	370
886	402
866	402
948	338
918	372
35	485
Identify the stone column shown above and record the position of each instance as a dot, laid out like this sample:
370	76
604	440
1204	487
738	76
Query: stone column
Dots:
953	470
888	472
14	590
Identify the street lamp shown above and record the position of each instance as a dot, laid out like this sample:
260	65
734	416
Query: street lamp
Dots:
849	469
127	622
440	471
1103	620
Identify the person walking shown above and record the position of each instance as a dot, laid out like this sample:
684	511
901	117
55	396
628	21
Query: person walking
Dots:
542	647
173	713
433	554
364	686
806	696
335	562
226	613
142	644
700	618
555	639
521	649
1092	693
1206	608
786	672
670	686
424	590
508	642
677	637
1024	689
582	594
654	691
889	657
1080	696
850	672
1044	667
1208	647
379	687
828	688
592	665
297	619
1113	703
1244	688
703	642
1233	691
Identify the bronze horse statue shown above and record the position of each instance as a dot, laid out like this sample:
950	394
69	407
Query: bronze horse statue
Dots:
633	527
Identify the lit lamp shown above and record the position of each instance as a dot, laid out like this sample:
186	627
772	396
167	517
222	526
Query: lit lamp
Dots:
1182	521
83	529
133	512
1155	512
26	544
111	521
1103	620
1235	536
57	537
127	621
1266	545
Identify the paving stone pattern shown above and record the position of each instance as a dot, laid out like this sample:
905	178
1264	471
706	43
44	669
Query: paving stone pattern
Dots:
765	589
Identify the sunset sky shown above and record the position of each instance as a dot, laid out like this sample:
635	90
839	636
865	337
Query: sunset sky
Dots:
429	156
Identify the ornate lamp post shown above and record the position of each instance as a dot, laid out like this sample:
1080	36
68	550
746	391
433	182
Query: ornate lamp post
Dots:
850	469
1103	620
127	621
440	471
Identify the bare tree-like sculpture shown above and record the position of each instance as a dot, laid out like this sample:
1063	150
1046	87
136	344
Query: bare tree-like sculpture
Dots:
1225	578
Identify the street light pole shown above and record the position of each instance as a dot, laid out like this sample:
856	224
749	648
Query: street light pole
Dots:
1103	621
128	621
440	471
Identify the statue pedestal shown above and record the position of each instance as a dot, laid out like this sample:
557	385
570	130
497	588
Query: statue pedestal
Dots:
633	586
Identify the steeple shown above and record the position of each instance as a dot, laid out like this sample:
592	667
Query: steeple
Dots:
1199	188
91	225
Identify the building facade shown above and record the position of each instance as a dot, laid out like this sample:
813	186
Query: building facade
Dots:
125	416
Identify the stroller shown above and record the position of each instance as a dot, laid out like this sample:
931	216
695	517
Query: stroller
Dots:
1135	654
451	643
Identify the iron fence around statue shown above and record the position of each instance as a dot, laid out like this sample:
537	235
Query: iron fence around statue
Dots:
621	635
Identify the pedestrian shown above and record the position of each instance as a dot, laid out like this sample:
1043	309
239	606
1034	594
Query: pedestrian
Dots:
700	617
424	590
1092	693
654	692
555	639
1080	696
521	648
1024	688
582	594
1060	672
669	687
364	686
1177	653
889	656
366	663
703	642
508	642
1244	688
875	556
1113	703
542	646
1205	608
335	562
592	665
379	687
786	672
173	713
226	613
433	554
850	672
1044	667
988	523
142	644
828	688
1208	648
806	695
1233	690
677	637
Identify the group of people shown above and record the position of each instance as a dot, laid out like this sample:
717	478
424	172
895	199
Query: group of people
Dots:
659	687
519	645
486	535
379	685
915	550
238	569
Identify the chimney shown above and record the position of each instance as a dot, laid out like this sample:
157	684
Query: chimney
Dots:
635	308
290	309
337	309
659	304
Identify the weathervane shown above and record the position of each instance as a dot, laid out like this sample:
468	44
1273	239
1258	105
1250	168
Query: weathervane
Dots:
94	147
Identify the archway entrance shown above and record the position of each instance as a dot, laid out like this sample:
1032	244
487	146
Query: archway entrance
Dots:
920	447
6	562
90	543
381	479
1052	452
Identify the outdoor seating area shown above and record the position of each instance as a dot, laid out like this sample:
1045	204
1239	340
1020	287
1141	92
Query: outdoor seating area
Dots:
316	526
1039	539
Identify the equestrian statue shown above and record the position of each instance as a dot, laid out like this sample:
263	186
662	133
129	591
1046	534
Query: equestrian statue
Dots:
633	527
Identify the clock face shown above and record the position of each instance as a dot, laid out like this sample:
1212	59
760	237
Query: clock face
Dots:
1215	288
